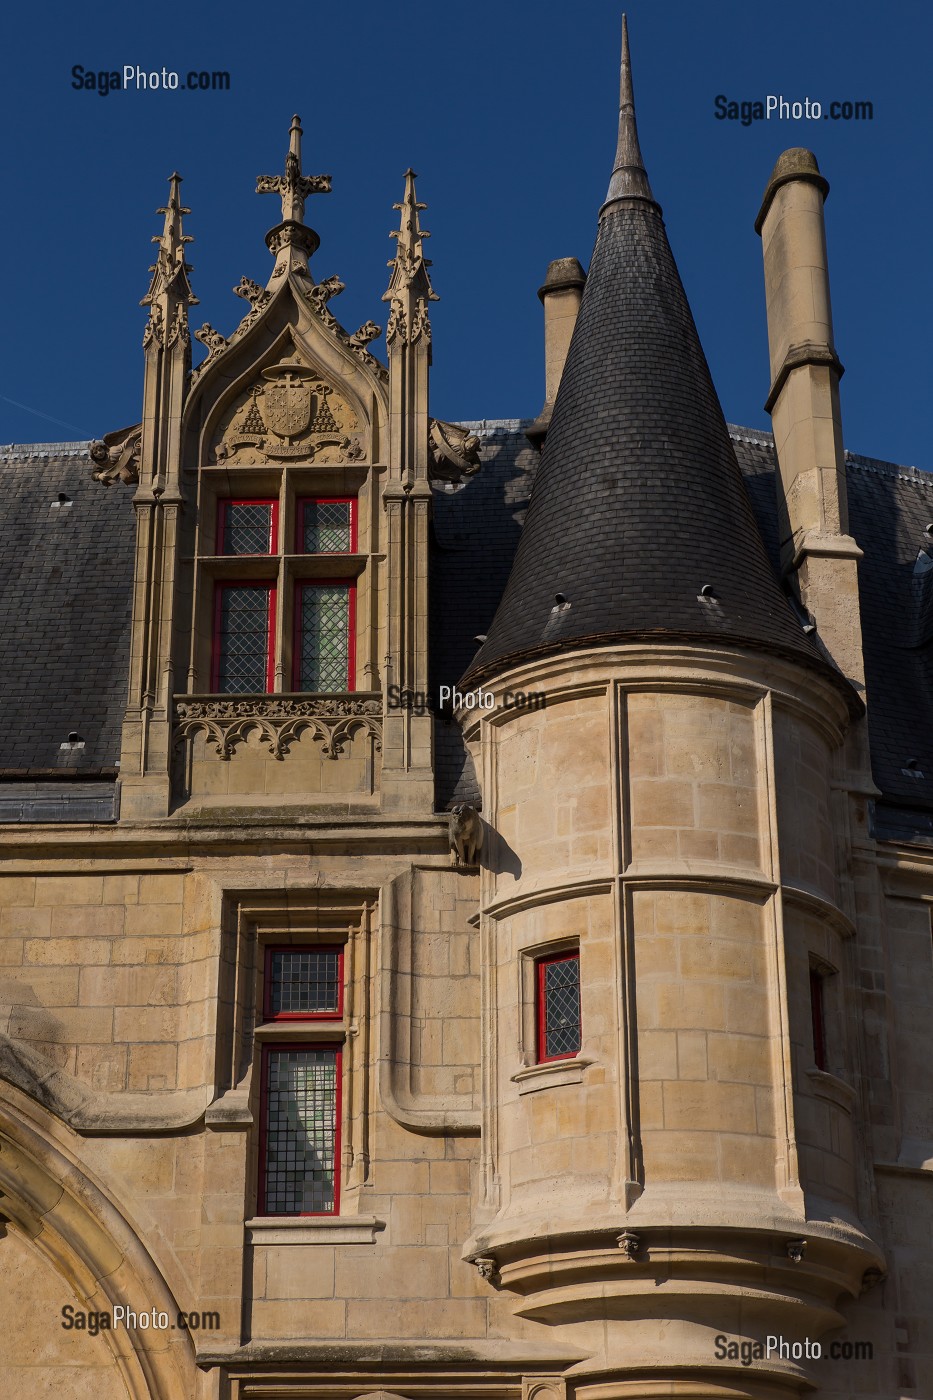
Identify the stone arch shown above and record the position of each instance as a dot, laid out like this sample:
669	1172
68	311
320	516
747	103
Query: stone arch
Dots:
77	1229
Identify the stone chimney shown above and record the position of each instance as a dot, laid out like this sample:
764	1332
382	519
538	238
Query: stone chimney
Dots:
561	295
816	548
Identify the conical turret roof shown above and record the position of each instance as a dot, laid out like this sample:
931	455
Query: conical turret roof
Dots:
639	525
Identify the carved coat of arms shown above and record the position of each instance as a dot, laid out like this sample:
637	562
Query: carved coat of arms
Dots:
290	413
289	399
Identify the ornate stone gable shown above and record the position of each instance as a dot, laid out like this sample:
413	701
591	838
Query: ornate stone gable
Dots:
289	412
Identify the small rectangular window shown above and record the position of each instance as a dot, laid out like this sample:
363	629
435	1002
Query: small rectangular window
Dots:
247	527
303	983
558	1006
300	1117
324	635
327	526
244	618
818	1018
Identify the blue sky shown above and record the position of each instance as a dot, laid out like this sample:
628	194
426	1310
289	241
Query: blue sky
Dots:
507	112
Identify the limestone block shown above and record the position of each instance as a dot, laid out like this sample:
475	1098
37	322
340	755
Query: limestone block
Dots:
297	1271
70	890
57	952
19	922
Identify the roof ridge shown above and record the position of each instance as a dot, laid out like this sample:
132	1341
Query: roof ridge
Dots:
27	451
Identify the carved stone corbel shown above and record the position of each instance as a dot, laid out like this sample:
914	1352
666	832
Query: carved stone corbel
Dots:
115	456
453	452
629	1244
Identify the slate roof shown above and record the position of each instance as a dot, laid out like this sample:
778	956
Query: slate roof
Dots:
475	532
66	587
638	524
66	570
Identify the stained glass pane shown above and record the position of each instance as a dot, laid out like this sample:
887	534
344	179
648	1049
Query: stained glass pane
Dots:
561	1007
304	980
301	1131
247	528
326	527
243	642
324	640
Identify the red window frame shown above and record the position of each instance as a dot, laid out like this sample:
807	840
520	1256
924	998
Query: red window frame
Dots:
818	1017
300	586
324	501
267	1011
271	589
337	1048
222	508
571	955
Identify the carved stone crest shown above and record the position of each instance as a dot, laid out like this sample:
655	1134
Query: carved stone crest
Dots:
290	412
289	399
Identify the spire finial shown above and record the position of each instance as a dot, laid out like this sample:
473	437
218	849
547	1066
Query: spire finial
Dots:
293	187
629	177
409	288
170	270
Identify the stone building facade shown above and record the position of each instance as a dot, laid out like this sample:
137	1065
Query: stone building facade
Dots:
315	1083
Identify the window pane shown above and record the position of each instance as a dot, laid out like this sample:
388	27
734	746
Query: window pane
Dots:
247	528
326	527
561	1007
324	641
301	1131
817	1016
304	980
243	640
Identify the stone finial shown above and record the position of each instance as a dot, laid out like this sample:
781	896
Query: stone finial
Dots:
629	177
293	186
409	289
170	269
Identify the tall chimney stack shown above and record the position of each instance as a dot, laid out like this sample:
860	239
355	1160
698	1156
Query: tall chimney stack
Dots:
561	295
816	547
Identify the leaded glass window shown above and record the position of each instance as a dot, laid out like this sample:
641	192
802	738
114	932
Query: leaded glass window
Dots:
324	637
326	527
301	1131
242	640
246	527
304	982
559	1026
